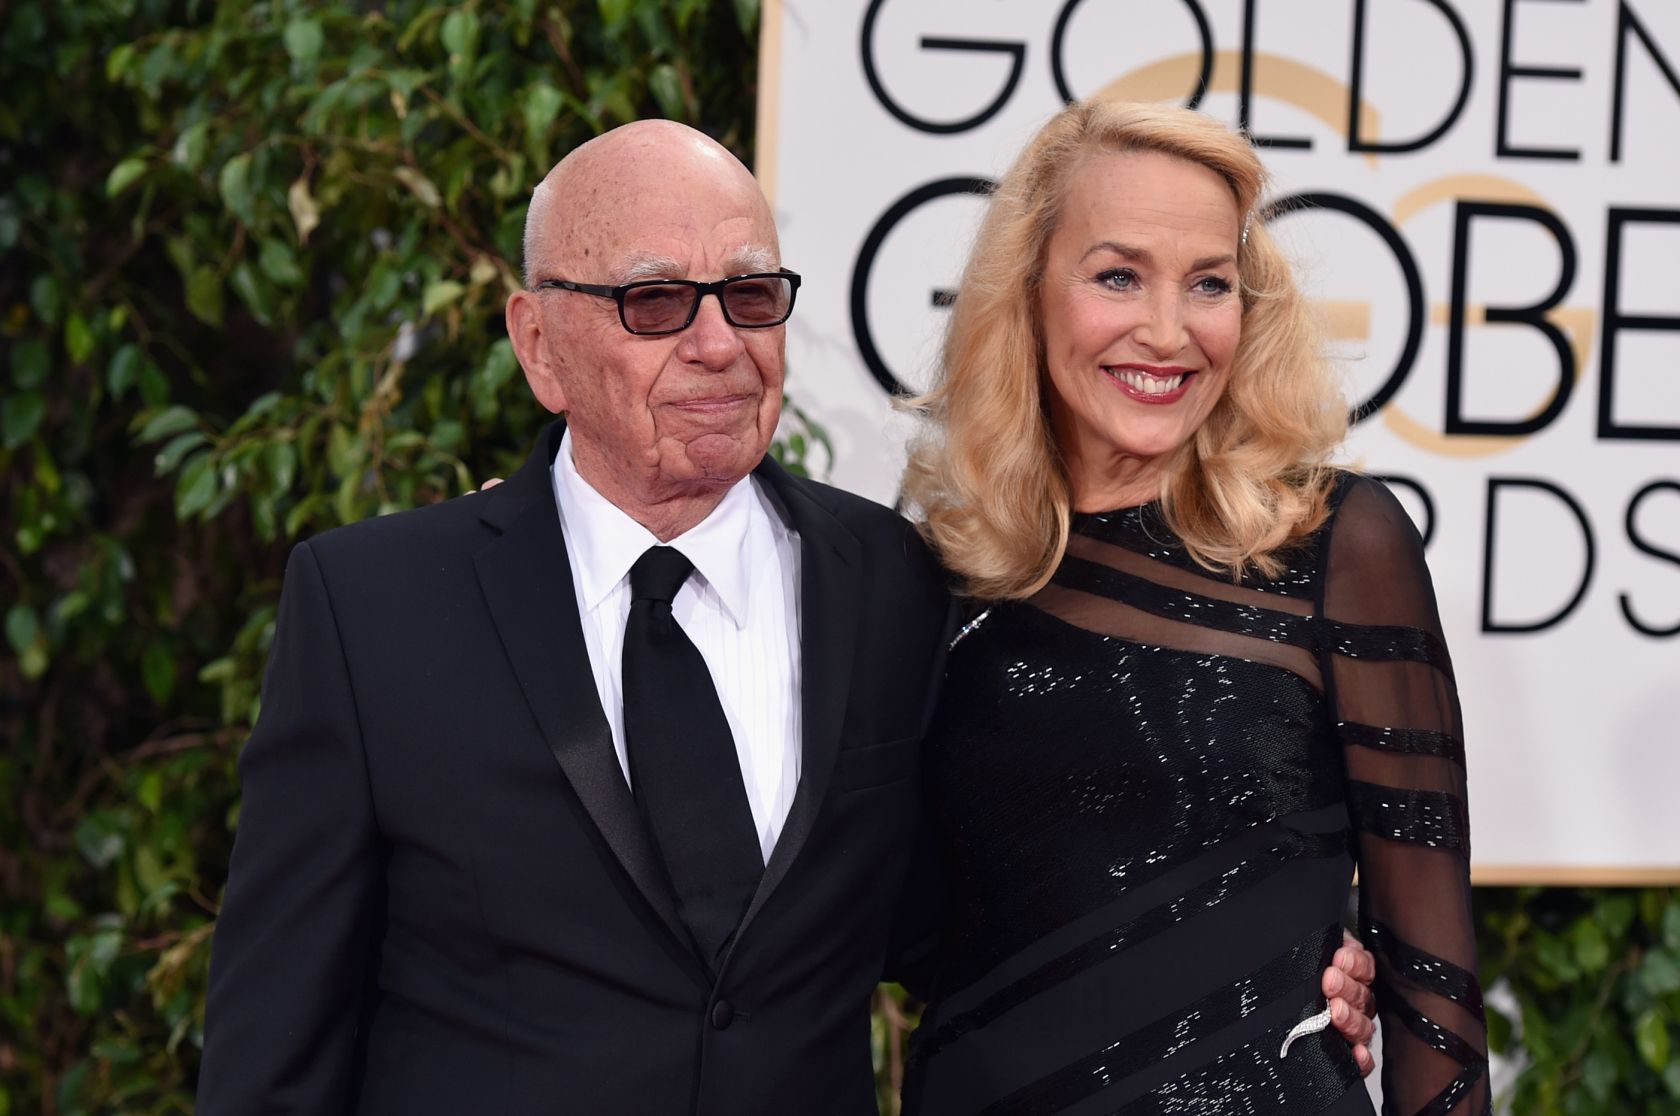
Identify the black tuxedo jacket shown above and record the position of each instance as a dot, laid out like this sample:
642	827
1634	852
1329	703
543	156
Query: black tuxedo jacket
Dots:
442	899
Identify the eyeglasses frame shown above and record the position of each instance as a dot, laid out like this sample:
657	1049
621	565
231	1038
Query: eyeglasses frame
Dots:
701	291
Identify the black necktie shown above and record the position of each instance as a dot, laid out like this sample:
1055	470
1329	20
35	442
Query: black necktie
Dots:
683	768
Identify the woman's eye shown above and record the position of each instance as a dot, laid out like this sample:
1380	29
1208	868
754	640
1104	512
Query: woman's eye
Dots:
1213	285
1118	279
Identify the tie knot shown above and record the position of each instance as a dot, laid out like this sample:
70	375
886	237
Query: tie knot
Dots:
658	574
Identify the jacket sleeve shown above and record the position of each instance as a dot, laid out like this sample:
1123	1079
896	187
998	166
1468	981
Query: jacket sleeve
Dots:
1395	704
922	908
291	952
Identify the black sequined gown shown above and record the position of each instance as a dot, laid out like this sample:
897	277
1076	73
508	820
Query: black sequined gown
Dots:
1153	787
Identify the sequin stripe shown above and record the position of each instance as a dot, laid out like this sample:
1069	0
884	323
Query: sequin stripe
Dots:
1176	604
1424	969
1235	880
1447	1099
1252	1081
1388	641
1435	819
1404	741
1171	1033
1392	1001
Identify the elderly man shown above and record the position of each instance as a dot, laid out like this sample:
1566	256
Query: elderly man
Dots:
592	793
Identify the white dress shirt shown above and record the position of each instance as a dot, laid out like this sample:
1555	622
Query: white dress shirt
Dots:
740	609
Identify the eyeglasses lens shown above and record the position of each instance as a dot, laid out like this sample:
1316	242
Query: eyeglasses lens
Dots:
657	308
758	301
665	307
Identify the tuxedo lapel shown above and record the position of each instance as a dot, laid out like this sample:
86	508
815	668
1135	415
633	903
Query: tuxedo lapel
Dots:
527	583
830	576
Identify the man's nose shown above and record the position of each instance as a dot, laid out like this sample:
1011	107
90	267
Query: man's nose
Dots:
710	340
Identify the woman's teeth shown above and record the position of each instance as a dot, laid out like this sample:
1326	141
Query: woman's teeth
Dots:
1149	385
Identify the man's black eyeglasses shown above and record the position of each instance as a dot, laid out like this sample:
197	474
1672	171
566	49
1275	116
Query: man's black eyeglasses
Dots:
653	306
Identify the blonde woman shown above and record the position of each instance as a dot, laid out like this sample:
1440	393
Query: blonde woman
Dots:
1206	678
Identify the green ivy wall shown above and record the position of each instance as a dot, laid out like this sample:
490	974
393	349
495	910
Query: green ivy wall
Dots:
254	261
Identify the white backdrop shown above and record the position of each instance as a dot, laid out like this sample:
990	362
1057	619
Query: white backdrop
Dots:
1493	240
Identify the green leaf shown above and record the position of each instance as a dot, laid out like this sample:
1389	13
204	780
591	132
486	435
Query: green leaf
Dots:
123	175
22	626
666	86
440	294
157	668
188	151
20	414
45	299
34	660
99	839
1671	926
281	459
123	369
613	12
235	185
253	292
154	385
11	227
1592	952
460	32
279	263
346	451
542	105
1650	1035
746	14
205	296
448	435
303	40
117	62
1660	973
167	422
30	364
90	958
179	446
78	338
1598	1073
196	487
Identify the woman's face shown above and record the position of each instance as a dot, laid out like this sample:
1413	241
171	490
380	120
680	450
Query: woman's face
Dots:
1141	315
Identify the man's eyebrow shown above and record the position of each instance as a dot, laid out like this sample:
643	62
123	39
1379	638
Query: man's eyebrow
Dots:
750	258
646	265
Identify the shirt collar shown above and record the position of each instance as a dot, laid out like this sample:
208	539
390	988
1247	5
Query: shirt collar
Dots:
606	542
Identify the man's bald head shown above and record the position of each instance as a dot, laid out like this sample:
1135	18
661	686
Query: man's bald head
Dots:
599	179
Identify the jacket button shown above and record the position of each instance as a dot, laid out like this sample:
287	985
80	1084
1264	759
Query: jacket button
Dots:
722	1015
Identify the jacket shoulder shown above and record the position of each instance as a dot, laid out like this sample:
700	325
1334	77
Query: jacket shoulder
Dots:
401	537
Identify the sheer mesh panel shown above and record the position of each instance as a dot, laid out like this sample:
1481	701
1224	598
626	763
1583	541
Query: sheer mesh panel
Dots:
1393	697
1103	614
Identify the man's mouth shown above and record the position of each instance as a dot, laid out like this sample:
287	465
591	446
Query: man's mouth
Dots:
713	403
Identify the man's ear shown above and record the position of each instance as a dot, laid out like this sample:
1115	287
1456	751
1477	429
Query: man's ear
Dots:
525	327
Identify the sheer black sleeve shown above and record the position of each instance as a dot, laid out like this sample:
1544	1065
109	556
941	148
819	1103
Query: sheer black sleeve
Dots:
1393	697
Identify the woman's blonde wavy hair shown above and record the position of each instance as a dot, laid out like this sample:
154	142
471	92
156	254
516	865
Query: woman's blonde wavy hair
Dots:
985	479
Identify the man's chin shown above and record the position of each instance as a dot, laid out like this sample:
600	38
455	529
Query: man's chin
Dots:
723	458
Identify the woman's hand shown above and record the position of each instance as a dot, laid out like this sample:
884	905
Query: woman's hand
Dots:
1347	985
